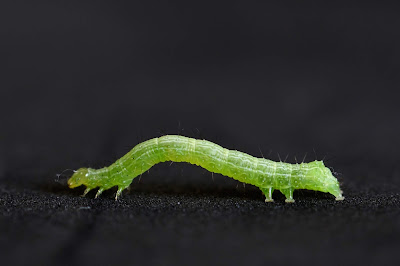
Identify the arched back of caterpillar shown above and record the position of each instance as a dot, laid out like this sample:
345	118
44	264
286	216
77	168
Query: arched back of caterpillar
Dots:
263	173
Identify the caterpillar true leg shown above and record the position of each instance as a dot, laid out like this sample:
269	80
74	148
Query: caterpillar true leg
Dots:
268	194
99	192
119	191
288	192
86	191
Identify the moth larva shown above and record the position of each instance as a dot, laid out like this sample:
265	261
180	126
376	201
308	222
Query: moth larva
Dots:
263	173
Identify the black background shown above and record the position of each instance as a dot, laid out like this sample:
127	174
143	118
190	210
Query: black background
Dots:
82	82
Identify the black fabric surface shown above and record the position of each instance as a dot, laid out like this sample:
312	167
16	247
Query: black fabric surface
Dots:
197	225
83	82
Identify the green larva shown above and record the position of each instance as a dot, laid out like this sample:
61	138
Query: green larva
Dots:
265	174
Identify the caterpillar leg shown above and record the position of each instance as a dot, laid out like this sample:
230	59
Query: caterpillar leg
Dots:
121	188
288	192
99	192
119	192
268	193
86	191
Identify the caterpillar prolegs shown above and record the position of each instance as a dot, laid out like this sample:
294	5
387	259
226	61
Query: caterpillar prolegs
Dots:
263	173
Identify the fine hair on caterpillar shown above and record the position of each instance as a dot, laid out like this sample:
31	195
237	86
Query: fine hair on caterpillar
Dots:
62	177
265	174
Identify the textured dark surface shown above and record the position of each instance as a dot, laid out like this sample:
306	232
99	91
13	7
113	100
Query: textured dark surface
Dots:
82	82
180	224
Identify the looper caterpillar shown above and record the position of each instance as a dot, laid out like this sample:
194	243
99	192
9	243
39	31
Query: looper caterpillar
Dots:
263	173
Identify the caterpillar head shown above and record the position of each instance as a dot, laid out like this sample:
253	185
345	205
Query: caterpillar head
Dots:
80	177
323	179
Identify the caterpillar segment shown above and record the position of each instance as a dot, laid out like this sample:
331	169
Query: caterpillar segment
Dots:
263	173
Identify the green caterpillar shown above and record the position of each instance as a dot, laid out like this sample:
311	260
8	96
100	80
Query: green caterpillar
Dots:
265	174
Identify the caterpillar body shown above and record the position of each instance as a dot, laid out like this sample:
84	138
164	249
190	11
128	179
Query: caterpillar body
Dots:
263	173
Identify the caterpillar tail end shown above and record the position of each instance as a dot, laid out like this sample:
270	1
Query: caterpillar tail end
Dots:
340	196
336	191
